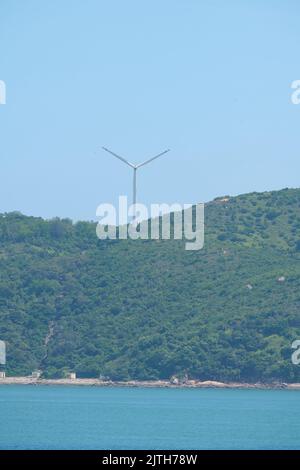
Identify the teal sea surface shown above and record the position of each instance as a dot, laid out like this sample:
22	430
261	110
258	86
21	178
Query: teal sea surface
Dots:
57	417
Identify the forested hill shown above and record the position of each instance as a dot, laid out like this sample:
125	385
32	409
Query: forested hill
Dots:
151	309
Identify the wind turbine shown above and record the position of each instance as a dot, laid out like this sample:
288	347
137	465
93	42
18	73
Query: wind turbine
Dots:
135	167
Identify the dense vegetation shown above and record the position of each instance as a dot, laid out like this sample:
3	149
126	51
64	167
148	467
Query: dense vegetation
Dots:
150	309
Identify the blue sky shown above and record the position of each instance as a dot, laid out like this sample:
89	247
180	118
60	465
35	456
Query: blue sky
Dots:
209	79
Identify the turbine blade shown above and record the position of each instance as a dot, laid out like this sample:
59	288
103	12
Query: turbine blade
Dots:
153	158
118	156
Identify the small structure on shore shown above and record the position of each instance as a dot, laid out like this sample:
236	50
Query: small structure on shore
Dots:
174	380
71	375
2	374
104	378
36	374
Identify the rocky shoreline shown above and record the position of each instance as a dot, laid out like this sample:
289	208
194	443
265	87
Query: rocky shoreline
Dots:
147	384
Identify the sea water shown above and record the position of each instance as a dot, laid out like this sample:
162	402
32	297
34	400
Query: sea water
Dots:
58	417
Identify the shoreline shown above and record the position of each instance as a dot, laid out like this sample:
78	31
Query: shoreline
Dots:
148	383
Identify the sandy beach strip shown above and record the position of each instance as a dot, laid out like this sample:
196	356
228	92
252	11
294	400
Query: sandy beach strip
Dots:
146	384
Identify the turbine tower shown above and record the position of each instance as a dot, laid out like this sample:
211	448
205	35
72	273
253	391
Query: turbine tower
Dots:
135	167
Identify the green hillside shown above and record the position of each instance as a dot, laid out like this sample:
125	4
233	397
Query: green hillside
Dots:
151	309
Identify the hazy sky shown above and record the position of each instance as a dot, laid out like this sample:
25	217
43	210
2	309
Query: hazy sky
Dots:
209	79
